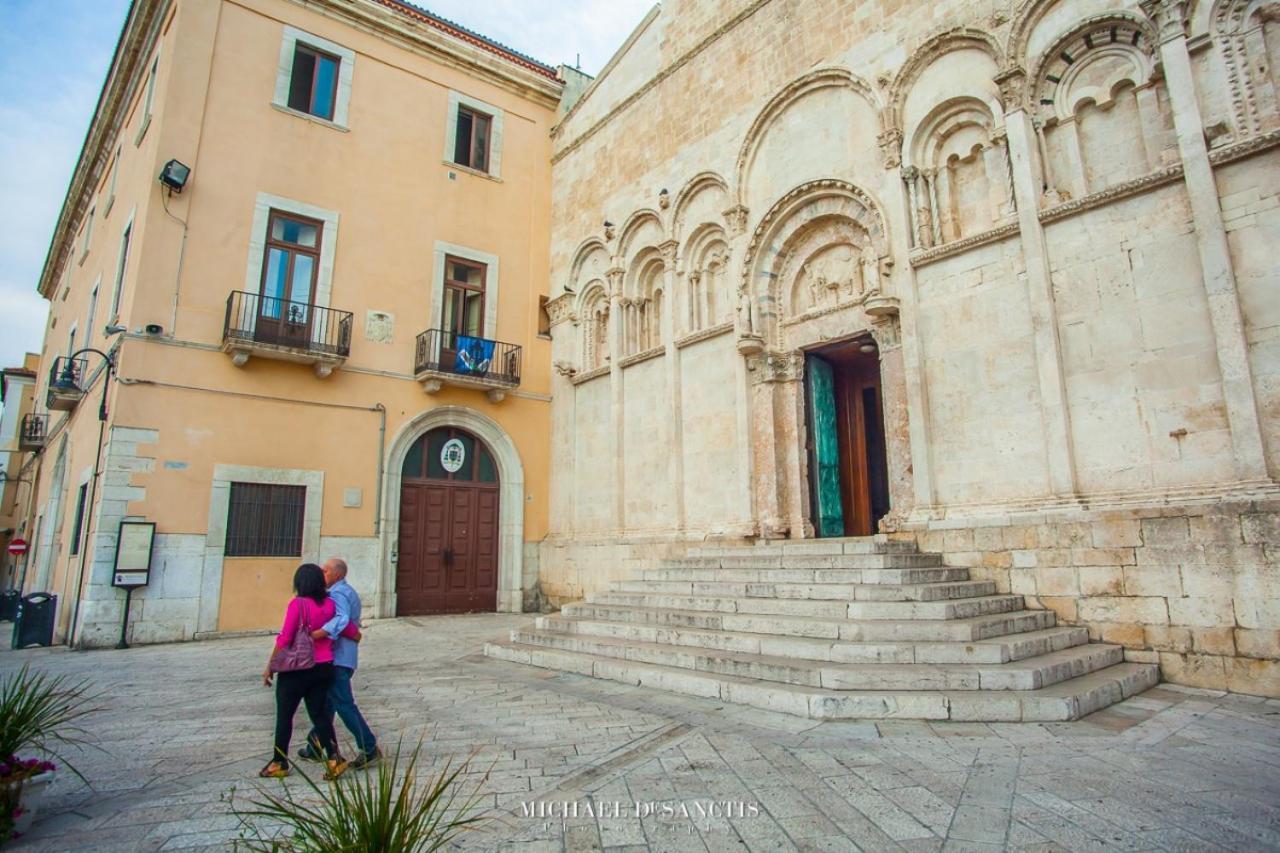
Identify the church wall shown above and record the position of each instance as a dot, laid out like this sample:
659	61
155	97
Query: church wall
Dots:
711	444
1143	387
1068	431
984	414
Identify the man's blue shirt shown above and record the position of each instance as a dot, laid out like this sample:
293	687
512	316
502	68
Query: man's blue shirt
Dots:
347	602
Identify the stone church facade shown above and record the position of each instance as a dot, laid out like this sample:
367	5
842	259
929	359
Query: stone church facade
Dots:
995	276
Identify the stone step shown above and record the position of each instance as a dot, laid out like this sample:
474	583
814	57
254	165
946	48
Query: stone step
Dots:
834	628
1028	674
878	544
867	610
813	591
806	561
1066	700
762	575
994	650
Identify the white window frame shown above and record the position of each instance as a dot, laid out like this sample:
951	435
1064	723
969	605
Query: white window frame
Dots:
111	187
93	309
71	338
262	207
122	266
216	532
457	99
490	262
87	232
148	99
284	71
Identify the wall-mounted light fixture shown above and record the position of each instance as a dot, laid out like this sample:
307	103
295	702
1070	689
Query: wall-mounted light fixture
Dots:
174	175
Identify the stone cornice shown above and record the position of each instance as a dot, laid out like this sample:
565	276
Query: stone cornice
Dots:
587	376
1244	148
704	335
946	250
1159	178
652	352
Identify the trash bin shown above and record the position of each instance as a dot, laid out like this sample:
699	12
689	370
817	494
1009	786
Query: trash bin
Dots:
9	605
34	625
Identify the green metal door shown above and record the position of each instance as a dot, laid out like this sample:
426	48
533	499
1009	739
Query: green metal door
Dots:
824	453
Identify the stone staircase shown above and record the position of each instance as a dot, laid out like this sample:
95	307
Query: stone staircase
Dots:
866	628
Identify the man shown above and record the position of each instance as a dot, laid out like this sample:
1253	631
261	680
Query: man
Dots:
345	651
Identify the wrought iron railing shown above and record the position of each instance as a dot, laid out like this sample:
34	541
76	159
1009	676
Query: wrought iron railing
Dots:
254	318
67	374
32	432
493	362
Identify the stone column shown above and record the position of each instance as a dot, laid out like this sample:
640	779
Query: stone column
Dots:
565	348
931	185
617	328
1211	241
901	286
747	342
1149	116
894	397
1056	416
1077	181
675	393
776	444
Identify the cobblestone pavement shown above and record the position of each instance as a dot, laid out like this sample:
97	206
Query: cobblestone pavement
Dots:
579	764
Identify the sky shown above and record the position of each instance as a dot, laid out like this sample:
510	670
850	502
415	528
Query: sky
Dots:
54	55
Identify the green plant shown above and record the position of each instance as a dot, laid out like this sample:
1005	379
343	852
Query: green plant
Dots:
41	712
389	811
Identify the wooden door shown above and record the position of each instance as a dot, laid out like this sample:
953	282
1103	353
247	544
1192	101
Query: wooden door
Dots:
289	268
448	552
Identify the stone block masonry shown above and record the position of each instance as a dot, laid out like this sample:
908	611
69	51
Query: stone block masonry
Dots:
1194	588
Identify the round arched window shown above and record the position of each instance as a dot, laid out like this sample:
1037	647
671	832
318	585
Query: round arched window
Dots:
450	454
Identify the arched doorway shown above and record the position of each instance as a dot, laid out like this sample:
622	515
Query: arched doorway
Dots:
449	525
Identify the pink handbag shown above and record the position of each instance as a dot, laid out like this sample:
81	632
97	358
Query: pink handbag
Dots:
301	651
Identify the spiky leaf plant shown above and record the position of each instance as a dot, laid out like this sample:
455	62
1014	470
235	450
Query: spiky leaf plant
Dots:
42	712
388	811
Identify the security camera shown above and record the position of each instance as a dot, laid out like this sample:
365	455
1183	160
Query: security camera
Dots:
154	329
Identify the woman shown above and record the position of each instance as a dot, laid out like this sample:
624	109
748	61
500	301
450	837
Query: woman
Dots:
312	607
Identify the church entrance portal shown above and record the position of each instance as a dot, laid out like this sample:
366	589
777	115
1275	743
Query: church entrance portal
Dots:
448	550
848	466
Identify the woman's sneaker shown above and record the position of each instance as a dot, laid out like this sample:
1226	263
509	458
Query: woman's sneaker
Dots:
306	753
335	767
364	759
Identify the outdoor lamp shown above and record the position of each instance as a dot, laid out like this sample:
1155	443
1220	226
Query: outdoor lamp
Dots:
174	175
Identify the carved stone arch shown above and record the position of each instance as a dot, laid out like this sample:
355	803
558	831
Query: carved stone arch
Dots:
586	249
705	259
1242	30
1043	63
821	78
627	246
1020	30
699	182
922	149
960	38
593	307
770	248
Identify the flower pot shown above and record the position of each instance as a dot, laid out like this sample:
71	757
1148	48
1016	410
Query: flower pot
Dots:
29	799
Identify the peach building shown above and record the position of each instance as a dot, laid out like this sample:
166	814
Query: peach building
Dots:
297	296
19	434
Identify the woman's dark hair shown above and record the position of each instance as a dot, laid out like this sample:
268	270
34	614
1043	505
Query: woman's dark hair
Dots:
308	582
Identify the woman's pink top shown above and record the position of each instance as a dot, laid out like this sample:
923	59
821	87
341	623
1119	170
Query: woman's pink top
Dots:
315	615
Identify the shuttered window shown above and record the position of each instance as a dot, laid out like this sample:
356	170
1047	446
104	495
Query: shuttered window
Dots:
265	520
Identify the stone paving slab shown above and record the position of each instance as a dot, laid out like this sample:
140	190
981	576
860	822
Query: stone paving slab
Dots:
569	763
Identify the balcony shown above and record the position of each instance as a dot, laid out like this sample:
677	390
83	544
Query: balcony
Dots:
300	332
66	383
32	433
448	358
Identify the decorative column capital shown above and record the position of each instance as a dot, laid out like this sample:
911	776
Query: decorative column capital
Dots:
561	309
1169	16
668	249
776	367
890	142
911	174
1013	87
736	218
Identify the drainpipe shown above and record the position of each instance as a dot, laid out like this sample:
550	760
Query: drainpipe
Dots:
382	443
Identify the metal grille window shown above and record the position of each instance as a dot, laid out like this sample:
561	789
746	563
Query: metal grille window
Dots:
265	520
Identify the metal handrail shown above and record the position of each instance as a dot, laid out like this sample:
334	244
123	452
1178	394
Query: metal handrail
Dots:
304	326
67	374
472	357
34	430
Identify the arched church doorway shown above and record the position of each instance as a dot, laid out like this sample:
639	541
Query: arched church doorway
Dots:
448	542
848	463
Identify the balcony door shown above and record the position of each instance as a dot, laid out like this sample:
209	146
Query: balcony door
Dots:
289	270
462	318
447	556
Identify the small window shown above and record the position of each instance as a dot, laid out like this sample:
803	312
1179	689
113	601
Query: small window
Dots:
115	176
151	89
313	85
88	232
75	531
471	143
121	266
265	520
544	317
93	310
